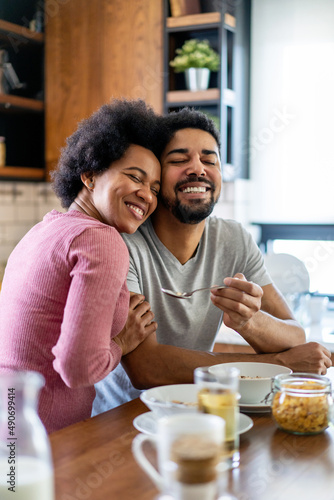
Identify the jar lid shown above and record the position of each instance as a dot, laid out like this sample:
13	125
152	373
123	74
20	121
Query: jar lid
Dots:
302	383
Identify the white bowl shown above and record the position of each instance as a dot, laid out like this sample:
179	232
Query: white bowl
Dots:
171	399
254	389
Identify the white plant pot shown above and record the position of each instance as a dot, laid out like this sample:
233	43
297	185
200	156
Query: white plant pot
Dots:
197	78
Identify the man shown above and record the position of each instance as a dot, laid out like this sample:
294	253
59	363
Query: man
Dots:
182	248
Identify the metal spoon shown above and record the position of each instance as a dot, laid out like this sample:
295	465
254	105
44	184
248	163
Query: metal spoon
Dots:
187	295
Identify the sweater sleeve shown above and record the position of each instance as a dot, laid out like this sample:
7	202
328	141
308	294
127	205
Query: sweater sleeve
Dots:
96	308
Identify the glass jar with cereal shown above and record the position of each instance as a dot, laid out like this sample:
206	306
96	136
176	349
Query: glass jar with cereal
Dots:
302	403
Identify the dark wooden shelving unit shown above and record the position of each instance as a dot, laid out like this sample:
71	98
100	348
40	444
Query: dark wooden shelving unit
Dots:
10	103
22	110
16	33
19	173
223	99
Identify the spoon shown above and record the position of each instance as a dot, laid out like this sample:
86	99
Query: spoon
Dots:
187	295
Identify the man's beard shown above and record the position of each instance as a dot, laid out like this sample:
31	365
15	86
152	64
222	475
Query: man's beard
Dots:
192	213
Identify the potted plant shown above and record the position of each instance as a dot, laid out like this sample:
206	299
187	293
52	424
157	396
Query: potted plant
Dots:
196	59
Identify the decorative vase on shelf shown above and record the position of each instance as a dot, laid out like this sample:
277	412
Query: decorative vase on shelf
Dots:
197	78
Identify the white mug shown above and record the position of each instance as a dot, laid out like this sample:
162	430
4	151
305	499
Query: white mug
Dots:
317	307
207	429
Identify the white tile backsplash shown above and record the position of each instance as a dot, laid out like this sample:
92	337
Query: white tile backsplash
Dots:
2	234
25	212
7	190
7	212
22	205
27	193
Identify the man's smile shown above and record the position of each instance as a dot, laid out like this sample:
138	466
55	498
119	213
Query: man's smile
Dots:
194	189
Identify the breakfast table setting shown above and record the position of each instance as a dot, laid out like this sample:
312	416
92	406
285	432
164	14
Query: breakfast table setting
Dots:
119	454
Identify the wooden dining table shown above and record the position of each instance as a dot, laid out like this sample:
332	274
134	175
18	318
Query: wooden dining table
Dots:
93	460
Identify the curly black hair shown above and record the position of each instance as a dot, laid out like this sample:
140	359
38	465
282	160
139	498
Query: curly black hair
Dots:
186	118
103	138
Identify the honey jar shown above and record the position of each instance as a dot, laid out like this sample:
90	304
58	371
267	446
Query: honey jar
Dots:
302	403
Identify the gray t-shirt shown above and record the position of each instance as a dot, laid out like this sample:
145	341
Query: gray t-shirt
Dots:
225	249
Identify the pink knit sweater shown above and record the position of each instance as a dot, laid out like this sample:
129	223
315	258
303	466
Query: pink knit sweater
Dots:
63	298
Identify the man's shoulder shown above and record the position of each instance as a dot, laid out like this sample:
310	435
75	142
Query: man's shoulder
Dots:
221	234
217	224
141	238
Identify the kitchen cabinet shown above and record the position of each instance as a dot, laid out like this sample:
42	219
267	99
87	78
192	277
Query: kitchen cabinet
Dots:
226	99
21	107
96	51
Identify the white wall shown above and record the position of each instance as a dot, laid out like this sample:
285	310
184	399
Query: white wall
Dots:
22	205
292	111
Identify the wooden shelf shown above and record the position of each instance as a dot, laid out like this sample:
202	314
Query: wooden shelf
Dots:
18	32
207	19
184	96
194	20
181	96
22	173
9	102
229	21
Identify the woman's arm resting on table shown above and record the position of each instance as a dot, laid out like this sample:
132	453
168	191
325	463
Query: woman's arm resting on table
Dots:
260	315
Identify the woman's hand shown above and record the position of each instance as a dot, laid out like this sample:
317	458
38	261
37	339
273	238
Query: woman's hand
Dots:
138	326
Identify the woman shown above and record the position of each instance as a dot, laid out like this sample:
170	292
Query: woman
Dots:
64	299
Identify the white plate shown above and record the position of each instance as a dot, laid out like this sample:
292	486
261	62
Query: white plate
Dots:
255	408
147	423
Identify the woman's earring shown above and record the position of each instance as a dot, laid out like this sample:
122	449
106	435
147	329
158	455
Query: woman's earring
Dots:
91	184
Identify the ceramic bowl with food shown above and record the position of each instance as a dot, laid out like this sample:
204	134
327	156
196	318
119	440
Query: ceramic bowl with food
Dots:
171	399
254	380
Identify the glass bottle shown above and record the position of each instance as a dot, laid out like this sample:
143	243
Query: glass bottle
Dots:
26	468
302	403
